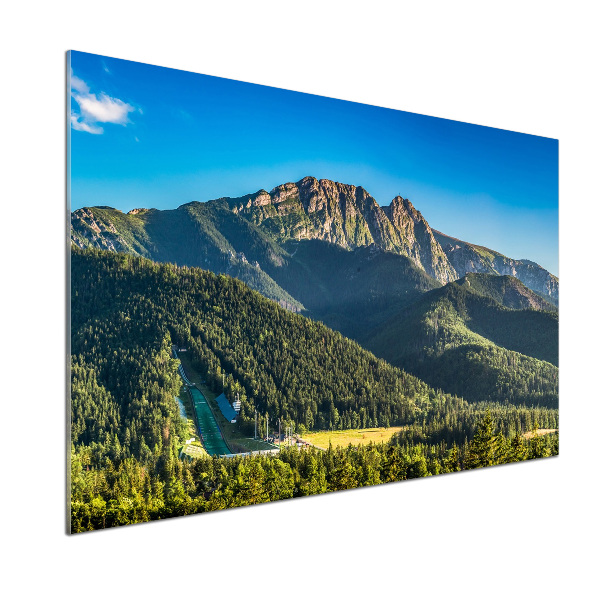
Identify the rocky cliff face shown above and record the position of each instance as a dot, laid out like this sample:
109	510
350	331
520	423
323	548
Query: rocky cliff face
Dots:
531	274
468	258
507	290
416	240
88	229
347	216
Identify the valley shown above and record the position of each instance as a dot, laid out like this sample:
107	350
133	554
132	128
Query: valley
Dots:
356	327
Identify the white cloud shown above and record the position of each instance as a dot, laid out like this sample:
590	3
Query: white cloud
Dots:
95	109
103	109
79	85
83	126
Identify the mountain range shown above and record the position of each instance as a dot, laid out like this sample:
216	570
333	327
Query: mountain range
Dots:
225	233
458	315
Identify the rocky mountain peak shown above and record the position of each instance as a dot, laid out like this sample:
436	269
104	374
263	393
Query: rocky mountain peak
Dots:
401	209
261	198
346	215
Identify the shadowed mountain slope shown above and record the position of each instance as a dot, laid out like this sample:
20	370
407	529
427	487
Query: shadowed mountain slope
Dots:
462	340
195	235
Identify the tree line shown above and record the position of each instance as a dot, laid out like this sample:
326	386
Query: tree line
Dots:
128	492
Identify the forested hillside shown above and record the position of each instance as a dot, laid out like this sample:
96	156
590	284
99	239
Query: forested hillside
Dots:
460	339
279	362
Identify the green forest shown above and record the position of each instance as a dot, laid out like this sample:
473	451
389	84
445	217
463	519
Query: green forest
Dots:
127	311
129	491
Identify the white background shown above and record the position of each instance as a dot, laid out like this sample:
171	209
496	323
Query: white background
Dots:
524	530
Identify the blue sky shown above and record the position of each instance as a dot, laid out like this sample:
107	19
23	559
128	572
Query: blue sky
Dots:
146	136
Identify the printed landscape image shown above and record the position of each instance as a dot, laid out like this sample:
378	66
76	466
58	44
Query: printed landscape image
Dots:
259	311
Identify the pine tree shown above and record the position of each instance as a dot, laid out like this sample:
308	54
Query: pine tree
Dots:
487	447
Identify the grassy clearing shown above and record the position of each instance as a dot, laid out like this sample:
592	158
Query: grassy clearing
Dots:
236	440
194	450
345	437
529	434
